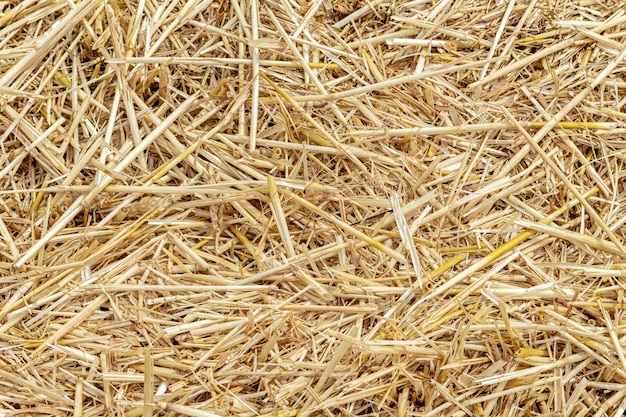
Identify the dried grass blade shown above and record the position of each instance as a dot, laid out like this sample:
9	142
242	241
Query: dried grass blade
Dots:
185	410
407	237
570	236
279	217
148	383
534	370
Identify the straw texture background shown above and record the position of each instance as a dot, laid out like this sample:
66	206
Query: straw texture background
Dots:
312	208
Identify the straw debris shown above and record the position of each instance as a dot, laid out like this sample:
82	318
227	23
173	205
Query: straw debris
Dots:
291	208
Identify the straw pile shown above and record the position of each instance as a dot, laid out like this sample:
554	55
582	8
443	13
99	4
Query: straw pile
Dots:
292	208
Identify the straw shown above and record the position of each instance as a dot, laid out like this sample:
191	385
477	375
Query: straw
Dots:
288	208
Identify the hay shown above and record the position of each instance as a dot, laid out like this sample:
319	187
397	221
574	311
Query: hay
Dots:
291	208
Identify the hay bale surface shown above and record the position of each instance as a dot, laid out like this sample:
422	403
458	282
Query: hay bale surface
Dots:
292	208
